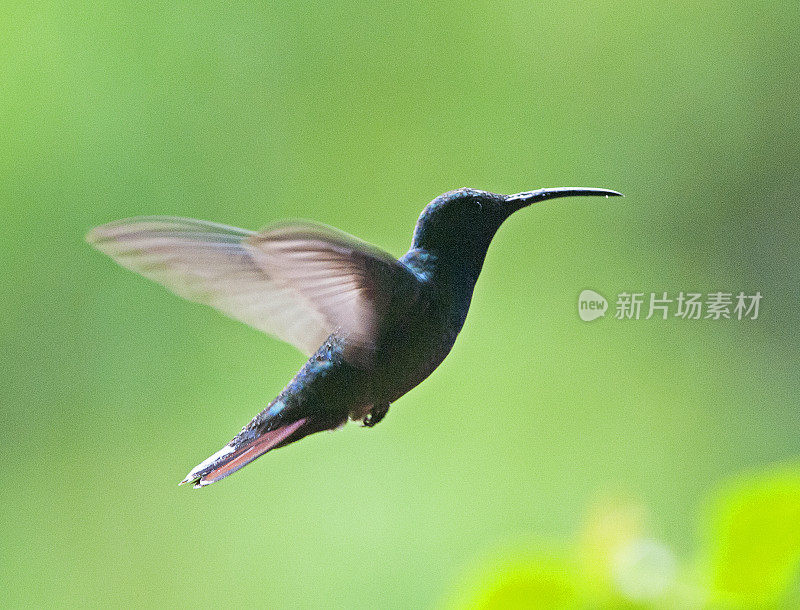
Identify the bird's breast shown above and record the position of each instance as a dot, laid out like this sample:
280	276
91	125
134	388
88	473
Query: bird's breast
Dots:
412	348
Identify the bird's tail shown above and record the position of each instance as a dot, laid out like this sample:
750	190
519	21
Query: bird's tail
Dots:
244	449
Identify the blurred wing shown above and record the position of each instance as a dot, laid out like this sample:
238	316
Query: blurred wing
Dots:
353	284
209	263
291	297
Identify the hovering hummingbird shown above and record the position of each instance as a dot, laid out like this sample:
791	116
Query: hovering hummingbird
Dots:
373	326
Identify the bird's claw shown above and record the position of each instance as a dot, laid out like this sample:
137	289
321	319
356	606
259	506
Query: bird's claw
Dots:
376	414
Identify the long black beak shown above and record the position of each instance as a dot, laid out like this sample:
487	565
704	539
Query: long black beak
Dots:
521	200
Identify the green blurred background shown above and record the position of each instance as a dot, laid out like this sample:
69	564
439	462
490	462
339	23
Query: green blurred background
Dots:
357	114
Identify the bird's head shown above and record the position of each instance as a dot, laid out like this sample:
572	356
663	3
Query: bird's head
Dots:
464	221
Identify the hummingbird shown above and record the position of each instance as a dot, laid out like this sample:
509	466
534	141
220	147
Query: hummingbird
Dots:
373	326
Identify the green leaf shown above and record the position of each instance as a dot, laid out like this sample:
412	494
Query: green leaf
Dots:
545	583
755	548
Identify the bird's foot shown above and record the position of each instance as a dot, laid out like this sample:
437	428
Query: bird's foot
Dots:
376	414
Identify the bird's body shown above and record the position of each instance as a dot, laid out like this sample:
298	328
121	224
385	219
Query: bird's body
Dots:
382	325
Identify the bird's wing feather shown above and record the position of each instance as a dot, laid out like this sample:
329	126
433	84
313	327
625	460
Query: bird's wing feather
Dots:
351	282
298	282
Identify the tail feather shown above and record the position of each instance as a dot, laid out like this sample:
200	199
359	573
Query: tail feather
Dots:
234	456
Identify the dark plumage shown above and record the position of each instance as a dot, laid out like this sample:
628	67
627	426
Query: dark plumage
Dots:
374	326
